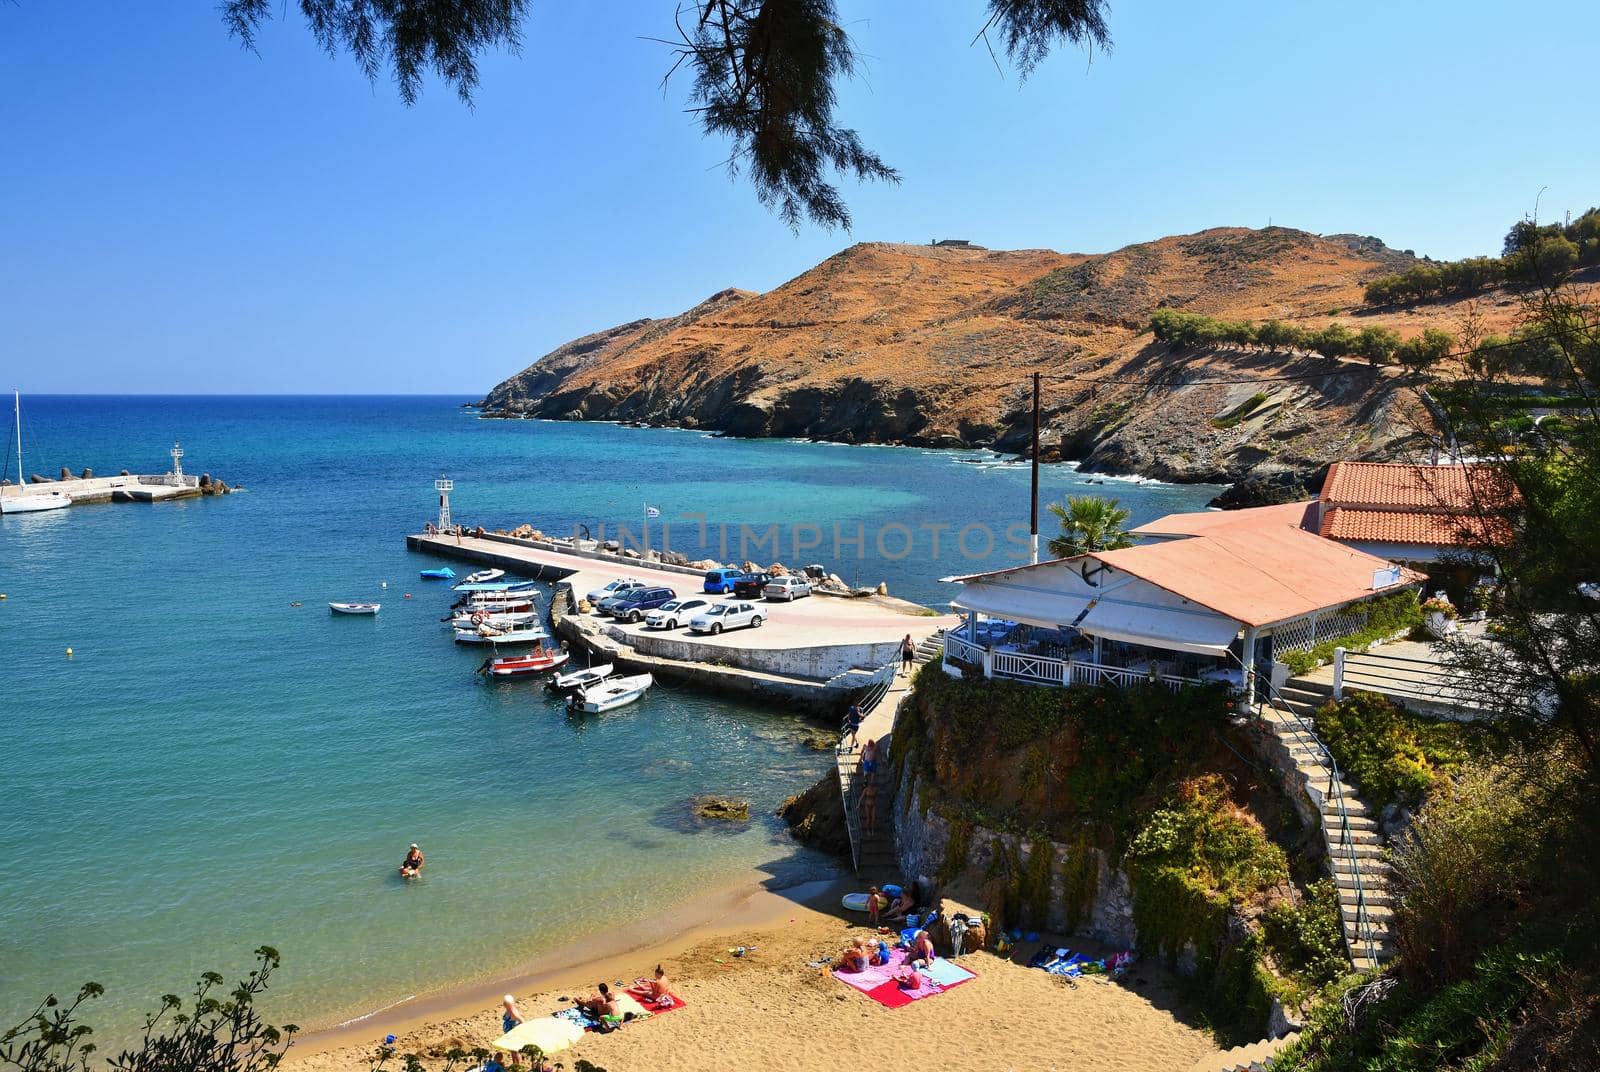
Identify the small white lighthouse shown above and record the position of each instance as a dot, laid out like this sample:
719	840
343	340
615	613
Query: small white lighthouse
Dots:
177	460
444	486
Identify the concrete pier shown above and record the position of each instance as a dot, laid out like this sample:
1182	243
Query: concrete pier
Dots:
132	487
819	650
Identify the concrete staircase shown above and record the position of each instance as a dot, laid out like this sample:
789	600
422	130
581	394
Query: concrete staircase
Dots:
1355	848
1248	1058
931	648
876	859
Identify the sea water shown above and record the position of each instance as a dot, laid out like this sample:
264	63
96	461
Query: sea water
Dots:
222	763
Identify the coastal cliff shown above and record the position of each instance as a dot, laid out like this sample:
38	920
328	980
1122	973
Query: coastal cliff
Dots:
934	346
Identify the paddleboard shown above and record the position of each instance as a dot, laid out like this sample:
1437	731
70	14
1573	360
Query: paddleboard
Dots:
855	902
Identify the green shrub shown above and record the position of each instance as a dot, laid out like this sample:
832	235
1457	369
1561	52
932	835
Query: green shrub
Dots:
1392	755
1384	617
1307	938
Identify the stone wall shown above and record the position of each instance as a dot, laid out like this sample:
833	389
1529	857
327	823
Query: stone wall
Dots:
818	662
922	835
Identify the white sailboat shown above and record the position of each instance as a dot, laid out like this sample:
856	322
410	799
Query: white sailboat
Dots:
26	502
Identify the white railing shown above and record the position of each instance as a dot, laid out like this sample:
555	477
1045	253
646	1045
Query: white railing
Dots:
1046	670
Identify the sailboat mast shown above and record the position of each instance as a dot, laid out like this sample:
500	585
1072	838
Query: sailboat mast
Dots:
16	408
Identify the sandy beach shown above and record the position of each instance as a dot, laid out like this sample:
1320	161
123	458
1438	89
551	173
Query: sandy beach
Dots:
769	1009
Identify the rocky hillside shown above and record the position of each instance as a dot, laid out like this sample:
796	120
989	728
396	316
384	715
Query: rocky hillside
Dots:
934	346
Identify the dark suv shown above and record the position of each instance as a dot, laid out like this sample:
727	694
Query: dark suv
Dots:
630	606
749	585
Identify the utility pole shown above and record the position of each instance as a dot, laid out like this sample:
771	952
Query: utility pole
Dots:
1033	527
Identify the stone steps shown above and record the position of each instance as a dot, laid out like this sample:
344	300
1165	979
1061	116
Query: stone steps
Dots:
1254	1055
1354	843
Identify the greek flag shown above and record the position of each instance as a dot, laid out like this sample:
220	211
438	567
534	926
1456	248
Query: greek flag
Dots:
651	512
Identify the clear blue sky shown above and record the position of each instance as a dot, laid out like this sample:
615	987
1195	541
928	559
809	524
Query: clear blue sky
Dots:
181	216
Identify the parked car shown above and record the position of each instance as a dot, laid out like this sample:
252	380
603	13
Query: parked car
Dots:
615	588
788	588
749	585
719	616
677	612
721	580
631	605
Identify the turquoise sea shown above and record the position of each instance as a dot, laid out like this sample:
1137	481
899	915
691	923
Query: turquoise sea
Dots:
215	768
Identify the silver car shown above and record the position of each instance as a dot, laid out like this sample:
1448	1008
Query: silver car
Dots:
676	613
714	619
789	588
615	588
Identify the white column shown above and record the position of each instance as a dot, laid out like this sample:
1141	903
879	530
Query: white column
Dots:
1338	673
1249	661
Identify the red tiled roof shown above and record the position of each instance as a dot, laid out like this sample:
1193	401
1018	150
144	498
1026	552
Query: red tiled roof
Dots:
1396	486
1205	522
1398	526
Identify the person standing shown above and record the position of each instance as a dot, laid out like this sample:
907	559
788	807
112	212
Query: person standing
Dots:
869	806
908	652
510	1017
852	723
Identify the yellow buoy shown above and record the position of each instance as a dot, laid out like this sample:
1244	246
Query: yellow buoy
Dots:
69	653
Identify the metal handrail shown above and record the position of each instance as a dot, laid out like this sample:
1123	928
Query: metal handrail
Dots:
1305	735
868	702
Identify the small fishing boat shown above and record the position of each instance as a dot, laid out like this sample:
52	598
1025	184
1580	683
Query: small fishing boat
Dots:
537	661
483	576
462	615
578	679
493	587
471	619
443	573
355	608
526	633
610	694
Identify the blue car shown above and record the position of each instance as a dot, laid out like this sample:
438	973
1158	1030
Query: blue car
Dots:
720	581
631	605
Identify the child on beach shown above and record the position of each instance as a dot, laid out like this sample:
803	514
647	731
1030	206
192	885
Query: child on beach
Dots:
855	957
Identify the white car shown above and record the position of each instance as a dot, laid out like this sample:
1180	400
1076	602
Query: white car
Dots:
676	613
788	588
715	619
615	588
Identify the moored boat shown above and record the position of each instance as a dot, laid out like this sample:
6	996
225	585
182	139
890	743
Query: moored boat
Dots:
526	633
538	661
483	576
25	501
577	679
471	619
610	694
443	573
355	608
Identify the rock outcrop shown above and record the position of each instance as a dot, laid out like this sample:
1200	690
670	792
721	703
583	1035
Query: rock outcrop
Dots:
928	346
816	816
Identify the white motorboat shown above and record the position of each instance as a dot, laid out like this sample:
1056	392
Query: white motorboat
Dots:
355	608
527	633
474	618
25	501
610	694
578	679
483	576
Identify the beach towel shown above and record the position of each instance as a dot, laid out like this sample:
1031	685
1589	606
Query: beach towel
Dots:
947	973
667	1004
880	984
1061	962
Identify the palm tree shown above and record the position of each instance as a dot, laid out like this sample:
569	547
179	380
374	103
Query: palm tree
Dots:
1089	523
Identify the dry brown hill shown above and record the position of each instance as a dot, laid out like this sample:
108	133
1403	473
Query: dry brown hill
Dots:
934	346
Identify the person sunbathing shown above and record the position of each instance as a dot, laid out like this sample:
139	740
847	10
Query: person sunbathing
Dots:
902	905
922	953
655	989
600	1003
855	957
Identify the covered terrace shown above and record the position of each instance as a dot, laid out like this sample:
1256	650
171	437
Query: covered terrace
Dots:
1204	608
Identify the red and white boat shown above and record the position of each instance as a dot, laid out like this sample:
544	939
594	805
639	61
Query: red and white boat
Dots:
537	661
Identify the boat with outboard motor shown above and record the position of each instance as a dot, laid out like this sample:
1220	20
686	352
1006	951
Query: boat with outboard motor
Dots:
538	661
524	633
355	608
470	619
577	679
610	694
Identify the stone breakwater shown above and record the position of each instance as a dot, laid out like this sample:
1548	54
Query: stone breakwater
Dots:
84	487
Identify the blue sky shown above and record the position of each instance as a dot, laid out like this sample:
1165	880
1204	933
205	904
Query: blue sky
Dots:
182	216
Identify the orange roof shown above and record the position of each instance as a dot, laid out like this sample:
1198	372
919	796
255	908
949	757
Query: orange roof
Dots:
1257	576
1398	486
1398	526
1208	521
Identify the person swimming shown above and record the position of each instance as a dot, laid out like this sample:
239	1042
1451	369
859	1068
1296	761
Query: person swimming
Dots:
411	866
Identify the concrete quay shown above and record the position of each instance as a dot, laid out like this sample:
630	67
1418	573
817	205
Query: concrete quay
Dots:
817	652
129	487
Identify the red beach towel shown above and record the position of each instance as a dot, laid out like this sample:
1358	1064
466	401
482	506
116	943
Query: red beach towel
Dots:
667	1004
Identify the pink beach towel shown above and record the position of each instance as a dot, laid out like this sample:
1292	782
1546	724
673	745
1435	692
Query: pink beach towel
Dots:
879	983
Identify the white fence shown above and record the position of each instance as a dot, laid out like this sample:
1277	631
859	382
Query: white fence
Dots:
1044	670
